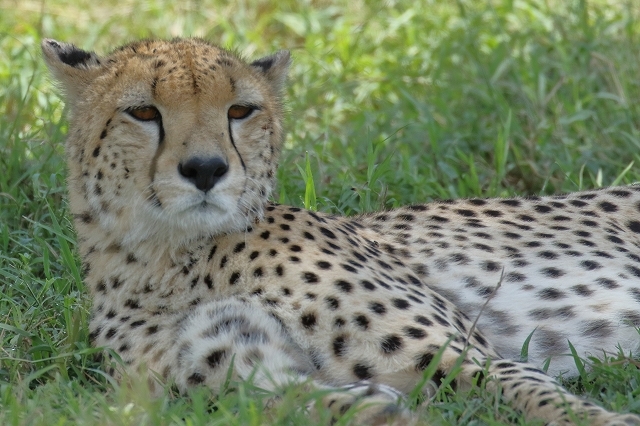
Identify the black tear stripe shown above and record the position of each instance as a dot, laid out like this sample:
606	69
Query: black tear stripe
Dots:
160	130
154	161
235	147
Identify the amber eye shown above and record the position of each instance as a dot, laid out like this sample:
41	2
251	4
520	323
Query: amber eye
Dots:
148	113
238	112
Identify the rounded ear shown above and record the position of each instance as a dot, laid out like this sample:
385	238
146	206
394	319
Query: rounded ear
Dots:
275	68
73	68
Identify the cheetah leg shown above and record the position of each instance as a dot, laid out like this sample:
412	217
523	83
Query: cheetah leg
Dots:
539	396
219	334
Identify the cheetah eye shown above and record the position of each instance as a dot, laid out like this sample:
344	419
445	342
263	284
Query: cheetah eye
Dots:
238	112
146	113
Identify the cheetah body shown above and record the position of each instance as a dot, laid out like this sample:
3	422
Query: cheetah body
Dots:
171	153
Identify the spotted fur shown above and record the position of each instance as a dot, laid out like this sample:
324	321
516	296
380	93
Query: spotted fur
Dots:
171	151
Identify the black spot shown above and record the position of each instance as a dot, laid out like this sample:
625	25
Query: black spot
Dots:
265	235
492	213
423	320
596	328
138	323
211	253
327	233
234	278
480	339
400	303
608	207
195	379
239	247
295	248
441	320
362	321
542	208
279	270
614	239
586	243
367	285
590	265
377	308
339	345
491	266
634	225
285	227
424	361
483	247
323	265
332	303
466	213
406	217
414	332
288	216
308	236
215	358
633	270
308	321
460	258
349	268
362	371
96	151
152	330
552	272
344	286
391	344
310	277
514	277
551	294
132	304
546	254
607	283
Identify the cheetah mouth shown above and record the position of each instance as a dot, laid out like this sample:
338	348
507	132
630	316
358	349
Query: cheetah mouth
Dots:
203	206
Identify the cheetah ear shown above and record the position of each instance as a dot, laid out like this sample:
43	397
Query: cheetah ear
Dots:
275	68
73	68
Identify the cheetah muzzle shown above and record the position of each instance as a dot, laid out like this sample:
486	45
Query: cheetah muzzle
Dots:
171	153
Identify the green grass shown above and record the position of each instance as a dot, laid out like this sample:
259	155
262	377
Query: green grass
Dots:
388	103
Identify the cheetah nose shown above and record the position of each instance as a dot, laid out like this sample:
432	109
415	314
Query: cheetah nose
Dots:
204	173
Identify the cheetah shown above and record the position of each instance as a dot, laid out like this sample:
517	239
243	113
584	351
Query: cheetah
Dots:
194	274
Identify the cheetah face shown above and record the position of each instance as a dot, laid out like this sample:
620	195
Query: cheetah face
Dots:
169	139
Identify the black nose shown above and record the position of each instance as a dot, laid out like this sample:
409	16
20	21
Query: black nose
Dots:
204	173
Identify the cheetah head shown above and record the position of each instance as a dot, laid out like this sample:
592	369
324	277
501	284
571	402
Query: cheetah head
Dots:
169	140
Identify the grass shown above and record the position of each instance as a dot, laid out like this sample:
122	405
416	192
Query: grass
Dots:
388	103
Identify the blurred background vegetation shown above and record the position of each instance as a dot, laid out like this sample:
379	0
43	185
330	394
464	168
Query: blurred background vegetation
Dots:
389	102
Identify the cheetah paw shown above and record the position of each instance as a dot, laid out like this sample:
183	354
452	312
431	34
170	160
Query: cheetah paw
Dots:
374	404
624	420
